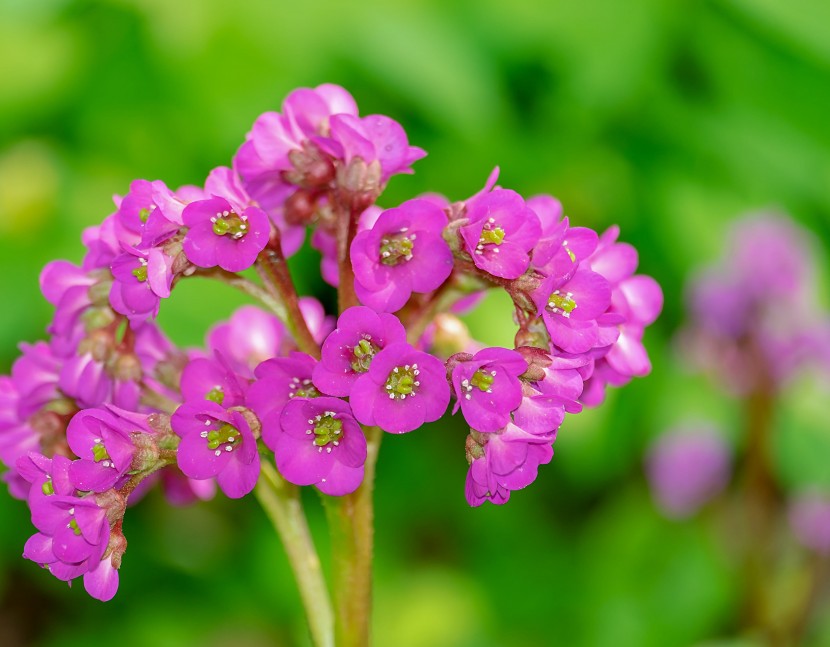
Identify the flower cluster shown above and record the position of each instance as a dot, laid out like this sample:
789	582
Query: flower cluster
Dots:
108	406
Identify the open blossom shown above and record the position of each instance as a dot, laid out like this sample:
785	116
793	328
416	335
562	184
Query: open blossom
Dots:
217	443
570	308
403	389
501	233
212	379
402	253
219	235
140	281
487	387
318	442
101	438
348	351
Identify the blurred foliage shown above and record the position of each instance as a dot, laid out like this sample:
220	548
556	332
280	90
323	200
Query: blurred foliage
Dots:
669	119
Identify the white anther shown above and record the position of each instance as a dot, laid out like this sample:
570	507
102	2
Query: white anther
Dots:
311	422
308	431
417	383
493	373
336	443
492	221
391	396
395	370
203	434
416	372
228	448
388	387
328	450
386	254
319	450
403	396
218	452
468	396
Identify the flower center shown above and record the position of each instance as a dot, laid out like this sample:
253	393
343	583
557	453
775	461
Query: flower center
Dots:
491	234
396	249
216	394
327	430
75	528
481	379
563	304
229	223
140	273
100	455
48	488
363	353
402	382
302	389
144	214
223	438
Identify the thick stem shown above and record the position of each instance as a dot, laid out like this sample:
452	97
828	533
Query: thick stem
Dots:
273	271
762	502
351	525
281	502
346	231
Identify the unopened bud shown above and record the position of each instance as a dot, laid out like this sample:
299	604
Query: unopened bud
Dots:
473	448
147	452
359	183
116	547
451	335
126	367
114	503
537	361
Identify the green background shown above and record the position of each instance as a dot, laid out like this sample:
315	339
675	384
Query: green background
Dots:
668	118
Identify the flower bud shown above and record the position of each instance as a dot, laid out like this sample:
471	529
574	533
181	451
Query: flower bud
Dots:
114	503
251	419
147	452
359	183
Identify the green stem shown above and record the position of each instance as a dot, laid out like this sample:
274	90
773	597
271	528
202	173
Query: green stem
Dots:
248	287
273	271
351	523
281	502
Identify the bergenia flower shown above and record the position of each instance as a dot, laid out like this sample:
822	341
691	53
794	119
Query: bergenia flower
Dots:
217	443
101	438
140	281
348	351
487	387
403	389
318	442
402	253
502	462
570	308
219	235
501	232
373	139
212	379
